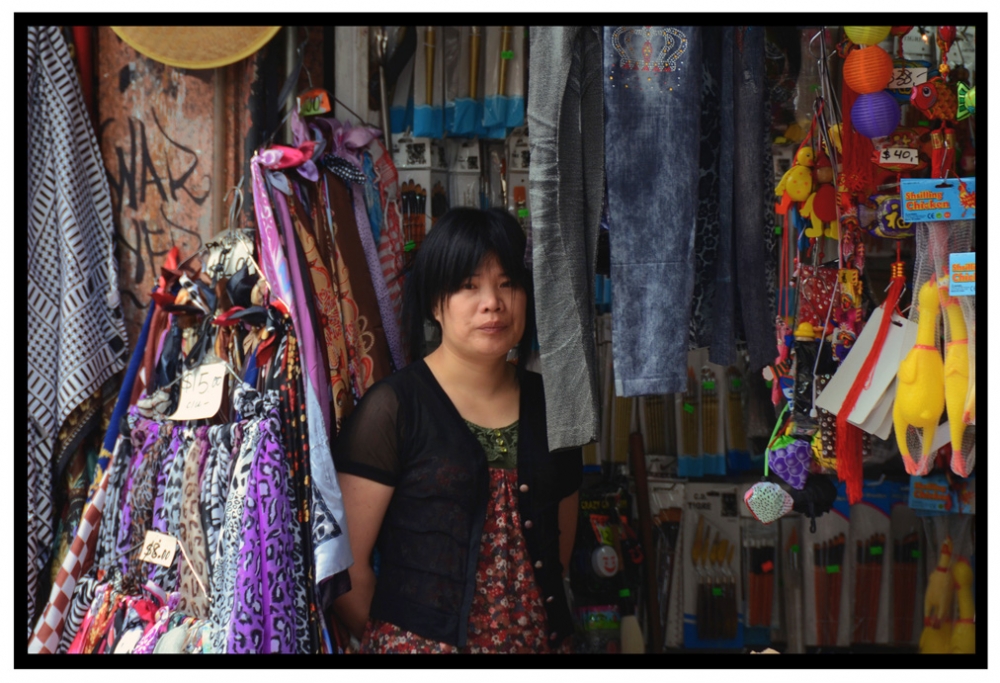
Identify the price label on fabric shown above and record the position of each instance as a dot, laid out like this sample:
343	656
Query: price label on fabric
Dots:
201	392
900	155
904	78
158	549
127	642
962	274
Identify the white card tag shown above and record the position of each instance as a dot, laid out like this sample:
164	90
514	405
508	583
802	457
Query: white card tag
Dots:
900	156
904	78
158	549
201	392
898	342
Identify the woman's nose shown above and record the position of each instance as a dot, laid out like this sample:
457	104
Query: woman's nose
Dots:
491	298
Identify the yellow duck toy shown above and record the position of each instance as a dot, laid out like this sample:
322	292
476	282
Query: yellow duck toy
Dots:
920	393
963	634
797	183
956	376
935	639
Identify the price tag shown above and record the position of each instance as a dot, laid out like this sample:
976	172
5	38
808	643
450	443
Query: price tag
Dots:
915	554
158	549
688	408
833	569
904	78
708	386
522	213
410	246
795	548
507	54
716	591
201	392
128	641
876	550
899	155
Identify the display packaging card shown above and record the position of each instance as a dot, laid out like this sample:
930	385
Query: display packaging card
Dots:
962	274
936	199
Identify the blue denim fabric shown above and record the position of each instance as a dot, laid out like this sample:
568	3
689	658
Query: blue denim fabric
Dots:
750	193
724	310
652	92
565	117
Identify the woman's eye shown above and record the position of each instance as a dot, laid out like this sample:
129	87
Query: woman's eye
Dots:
468	285
506	283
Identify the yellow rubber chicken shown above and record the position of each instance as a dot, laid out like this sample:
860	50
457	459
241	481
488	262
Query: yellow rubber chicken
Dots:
935	639
920	392
970	405
963	634
956	376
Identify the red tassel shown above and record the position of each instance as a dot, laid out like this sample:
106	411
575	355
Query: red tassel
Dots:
849	464
858	170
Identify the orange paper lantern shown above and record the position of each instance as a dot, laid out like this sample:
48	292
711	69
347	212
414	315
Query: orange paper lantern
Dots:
868	70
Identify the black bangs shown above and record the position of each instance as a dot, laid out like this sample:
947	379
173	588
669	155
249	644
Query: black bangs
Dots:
452	251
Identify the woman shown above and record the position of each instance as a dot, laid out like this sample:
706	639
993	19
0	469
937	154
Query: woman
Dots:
444	466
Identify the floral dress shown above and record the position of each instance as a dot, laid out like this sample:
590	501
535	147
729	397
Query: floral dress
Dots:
507	615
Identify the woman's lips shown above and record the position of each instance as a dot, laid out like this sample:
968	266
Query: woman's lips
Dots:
493	328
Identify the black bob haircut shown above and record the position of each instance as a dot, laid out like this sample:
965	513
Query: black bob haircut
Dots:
459	242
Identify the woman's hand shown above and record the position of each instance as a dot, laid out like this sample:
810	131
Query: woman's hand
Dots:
365	503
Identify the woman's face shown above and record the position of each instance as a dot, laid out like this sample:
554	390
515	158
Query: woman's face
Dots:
485	318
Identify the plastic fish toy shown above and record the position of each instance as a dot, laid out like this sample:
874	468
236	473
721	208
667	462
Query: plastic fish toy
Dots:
937	100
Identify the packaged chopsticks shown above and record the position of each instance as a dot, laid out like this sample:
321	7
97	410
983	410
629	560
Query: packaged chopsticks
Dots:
872	560
825	563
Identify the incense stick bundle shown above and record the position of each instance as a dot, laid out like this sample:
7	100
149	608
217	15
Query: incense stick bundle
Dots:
689	417
430	47
506	33
475	34
655	432
839	548
734	414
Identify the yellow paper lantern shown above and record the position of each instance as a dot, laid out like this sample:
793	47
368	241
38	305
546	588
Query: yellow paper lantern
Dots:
867	35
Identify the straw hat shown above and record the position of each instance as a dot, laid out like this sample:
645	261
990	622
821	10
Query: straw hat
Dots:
196	47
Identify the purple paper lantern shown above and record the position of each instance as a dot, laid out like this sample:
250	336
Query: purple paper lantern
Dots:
876	114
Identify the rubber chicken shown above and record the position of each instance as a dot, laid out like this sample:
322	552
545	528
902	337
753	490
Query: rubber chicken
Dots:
920	393
936	636
969	417
963	635
956	376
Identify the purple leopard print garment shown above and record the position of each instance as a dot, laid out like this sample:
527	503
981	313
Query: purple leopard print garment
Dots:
263	617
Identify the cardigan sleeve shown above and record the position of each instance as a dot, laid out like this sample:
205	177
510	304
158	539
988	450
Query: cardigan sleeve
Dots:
368	445
570	468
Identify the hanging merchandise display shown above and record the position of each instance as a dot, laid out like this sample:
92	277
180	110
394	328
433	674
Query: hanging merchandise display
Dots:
753	423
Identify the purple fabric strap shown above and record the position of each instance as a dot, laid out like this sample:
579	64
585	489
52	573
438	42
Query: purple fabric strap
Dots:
312	361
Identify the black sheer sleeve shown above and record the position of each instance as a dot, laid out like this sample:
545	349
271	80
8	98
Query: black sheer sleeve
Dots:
368	443
570	468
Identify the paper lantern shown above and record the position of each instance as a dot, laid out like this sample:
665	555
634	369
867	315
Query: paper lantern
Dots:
867	35
901	30
868	70
876	114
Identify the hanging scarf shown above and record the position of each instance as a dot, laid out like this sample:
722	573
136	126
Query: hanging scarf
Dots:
263	617
193	572
332	553
390	245
76	333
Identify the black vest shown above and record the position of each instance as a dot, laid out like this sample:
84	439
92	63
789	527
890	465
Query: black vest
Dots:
430	538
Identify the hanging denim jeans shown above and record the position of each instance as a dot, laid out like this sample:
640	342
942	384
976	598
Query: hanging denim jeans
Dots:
652	93
750	193
565	123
